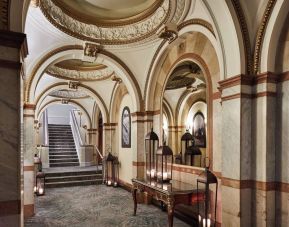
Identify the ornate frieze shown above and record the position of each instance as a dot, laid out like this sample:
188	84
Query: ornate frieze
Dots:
80	75
106	35
68	94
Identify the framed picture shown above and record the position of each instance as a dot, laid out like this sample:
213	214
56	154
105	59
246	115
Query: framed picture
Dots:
126	128
199	130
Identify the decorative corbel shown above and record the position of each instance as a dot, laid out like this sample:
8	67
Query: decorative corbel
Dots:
116	79
73	84
64	101
168	32
92	49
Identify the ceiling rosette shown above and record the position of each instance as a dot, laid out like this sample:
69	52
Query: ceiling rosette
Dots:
142	26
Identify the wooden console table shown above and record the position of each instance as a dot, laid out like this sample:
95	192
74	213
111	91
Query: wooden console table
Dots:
171	194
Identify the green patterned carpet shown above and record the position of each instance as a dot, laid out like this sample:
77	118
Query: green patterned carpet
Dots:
94	206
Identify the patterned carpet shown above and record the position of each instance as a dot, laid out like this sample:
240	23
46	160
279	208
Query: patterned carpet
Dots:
94	206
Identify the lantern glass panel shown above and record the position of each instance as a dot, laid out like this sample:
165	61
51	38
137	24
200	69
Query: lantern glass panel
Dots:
186	141
164	164
151	145
40	184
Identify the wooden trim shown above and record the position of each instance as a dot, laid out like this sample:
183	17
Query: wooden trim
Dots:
258	185
187	169
29	115
236	80
138	114
138	163
109	124
217	95
283	77
125	185
267	77
265	94
10	64
28	168
11	207
177	126
28	210
141	121
29	106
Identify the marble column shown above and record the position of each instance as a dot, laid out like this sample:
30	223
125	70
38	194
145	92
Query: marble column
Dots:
12	51
236	150
263	149
138	146
29	151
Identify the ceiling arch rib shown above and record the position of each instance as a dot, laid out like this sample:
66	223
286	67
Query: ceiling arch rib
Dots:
87	89
59	101
76	52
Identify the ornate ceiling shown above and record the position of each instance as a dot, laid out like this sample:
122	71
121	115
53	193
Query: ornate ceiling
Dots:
78	70
68	94
185	75
113	22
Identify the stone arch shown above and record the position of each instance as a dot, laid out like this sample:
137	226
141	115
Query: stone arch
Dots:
76	51
271	41
118	92
58	101
87	89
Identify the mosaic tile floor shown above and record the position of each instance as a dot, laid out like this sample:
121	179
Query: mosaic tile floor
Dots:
94	206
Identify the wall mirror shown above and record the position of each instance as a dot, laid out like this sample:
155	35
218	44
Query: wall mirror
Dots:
184	114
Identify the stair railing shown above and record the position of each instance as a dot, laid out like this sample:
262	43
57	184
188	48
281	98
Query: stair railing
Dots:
99	156
45	128
75	129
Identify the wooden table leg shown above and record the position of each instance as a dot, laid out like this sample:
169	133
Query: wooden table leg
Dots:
134	200
171	209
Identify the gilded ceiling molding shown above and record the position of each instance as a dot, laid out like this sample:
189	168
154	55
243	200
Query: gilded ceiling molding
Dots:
261	34
109	22
245	35
106	35
42	60
4	14
78	75
196	21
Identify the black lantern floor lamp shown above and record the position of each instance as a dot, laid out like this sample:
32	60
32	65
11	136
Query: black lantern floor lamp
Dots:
151	145
164	164
186	141
207	178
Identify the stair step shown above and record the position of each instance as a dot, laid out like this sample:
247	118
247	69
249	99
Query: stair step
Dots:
73	183
55	156
73	178
64	164
63	160
74	173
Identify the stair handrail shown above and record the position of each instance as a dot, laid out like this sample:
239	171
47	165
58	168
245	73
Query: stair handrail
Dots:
98	151
97	162
75	128
45	128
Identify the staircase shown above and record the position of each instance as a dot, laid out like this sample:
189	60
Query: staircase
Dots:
62	152
63	159
77	176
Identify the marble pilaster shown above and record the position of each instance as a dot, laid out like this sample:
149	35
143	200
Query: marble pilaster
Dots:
12	50
29	151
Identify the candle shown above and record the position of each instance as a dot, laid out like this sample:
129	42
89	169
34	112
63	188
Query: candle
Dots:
153	173
165	187
115	184
35	189
40	191
200	219
208	222
165	175
109	182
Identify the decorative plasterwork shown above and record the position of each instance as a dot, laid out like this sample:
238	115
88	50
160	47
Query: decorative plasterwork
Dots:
113	35
67	74
91	49
104	16
68	94
261	33
245	35
169	32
